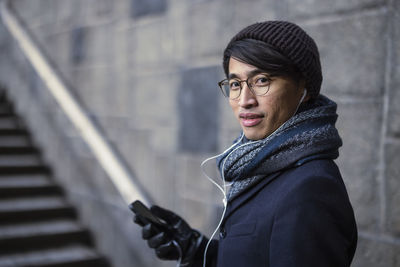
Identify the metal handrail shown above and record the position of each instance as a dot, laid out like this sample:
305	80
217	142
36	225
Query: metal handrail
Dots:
117	171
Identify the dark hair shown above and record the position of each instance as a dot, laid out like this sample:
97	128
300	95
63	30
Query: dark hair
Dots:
263	56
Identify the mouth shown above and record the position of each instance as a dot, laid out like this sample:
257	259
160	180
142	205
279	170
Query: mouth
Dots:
250	119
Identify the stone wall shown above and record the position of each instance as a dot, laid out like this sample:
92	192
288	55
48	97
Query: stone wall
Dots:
147	71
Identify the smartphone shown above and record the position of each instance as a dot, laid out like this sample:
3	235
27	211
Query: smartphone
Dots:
139	208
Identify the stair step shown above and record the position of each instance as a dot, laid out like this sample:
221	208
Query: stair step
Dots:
39	235
34	209
42	241
37	214
9	122
8	132
6	112
38	228
13	186
16	191
19	160
14	137
6	108
14	140
17	150
25	180
29	203
67	256
33	169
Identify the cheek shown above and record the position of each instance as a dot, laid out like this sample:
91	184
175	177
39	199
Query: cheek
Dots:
276	109
234	105
285	111
270	105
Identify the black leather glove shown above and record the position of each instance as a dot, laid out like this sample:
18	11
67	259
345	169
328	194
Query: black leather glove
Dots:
164	240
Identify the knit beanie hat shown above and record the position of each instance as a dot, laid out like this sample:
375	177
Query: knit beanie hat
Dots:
292	42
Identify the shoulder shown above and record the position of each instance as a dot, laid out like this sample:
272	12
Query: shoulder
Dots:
322	167
313	176
310	180
315	186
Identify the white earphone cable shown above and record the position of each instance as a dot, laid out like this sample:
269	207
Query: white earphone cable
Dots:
223	187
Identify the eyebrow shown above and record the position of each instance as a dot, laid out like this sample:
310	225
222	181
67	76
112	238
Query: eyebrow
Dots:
249	74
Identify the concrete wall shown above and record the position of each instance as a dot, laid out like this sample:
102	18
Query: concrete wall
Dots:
147	72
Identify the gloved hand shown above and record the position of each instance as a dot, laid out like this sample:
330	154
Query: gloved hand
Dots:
162	239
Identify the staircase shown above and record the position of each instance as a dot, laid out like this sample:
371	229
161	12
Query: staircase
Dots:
38	227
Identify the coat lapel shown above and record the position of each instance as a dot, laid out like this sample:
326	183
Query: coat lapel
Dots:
247	194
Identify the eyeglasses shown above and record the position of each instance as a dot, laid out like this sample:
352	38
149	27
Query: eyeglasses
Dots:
258	85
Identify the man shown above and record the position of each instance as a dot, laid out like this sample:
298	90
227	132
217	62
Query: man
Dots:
287	205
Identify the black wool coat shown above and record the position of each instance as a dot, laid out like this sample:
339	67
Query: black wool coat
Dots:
299	217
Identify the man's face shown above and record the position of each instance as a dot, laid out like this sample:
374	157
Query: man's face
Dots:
259	116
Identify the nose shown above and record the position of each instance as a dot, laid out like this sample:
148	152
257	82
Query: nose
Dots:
247	99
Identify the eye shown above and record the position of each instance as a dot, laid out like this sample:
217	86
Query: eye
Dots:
261	80
234	85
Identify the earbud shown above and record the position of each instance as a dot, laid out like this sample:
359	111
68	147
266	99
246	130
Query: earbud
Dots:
298	105
304	95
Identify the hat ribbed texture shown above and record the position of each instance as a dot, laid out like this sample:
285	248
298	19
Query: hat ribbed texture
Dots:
291	41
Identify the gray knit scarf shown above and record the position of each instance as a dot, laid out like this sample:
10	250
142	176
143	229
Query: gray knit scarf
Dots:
309	134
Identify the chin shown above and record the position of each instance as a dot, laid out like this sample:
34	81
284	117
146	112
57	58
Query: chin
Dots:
254	136
253	133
